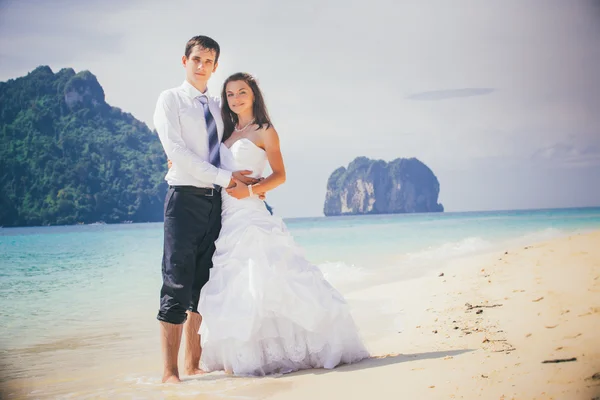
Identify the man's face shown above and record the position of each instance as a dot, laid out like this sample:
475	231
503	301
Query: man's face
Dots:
200	65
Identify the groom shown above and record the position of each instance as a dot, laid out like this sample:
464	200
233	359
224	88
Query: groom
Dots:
189	125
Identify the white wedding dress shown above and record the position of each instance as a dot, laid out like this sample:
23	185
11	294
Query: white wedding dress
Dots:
266	309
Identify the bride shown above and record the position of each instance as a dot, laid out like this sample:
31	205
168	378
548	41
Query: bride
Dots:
265	308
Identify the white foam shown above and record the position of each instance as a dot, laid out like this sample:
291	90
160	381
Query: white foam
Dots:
463	247
340	273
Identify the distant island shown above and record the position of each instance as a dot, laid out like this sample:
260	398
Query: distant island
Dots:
405	185
67	157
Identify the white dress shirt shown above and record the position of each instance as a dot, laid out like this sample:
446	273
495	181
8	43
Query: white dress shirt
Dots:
179	121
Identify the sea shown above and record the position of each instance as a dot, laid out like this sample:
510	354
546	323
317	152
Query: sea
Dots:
78	303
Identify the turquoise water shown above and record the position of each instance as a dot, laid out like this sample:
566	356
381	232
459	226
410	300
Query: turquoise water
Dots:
362	237
61	283
84	274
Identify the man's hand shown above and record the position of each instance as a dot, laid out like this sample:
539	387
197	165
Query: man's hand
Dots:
241	176
243	192
169	163
239	190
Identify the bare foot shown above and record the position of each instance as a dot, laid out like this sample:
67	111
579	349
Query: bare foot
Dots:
170	379
195	371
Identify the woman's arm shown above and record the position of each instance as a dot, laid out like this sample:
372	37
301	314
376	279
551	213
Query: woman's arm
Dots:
271	143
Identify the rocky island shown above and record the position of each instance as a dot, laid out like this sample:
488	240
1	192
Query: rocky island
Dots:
405	185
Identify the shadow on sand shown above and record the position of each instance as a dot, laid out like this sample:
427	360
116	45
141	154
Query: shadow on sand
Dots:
372	362
383	360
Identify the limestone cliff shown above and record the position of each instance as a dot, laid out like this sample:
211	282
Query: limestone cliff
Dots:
377	187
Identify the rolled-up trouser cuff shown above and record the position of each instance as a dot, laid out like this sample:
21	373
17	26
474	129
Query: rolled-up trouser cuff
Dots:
172	318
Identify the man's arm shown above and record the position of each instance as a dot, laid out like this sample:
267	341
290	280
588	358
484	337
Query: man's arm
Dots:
166	121
239	175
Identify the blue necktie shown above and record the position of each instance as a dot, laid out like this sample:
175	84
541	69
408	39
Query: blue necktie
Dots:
213	137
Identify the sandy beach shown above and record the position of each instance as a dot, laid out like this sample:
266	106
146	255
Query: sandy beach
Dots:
493	327
521	323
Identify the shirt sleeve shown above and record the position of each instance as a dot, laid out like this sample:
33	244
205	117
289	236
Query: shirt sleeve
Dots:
166	122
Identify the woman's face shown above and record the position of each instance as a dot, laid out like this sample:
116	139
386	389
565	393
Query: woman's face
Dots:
239	97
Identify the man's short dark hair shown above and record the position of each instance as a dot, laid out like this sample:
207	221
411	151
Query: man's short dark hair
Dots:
204	42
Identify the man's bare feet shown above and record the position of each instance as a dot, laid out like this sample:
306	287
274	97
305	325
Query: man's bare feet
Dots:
171	379
195	371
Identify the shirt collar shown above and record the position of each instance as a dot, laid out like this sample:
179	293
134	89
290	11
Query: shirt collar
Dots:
192	91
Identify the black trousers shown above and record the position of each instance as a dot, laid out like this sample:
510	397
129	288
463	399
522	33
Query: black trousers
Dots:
192	224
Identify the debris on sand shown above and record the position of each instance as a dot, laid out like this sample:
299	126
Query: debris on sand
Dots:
559	360
470	306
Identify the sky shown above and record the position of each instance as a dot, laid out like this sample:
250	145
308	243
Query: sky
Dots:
501	99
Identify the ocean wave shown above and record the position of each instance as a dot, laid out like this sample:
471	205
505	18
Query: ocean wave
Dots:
475	244
544	234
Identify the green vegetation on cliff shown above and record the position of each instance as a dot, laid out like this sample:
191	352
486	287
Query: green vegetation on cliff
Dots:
67	157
